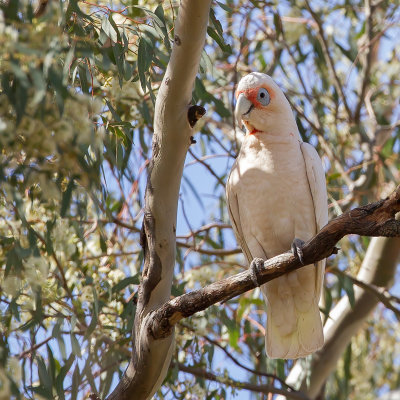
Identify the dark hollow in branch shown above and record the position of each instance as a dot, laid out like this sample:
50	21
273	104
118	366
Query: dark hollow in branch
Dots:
194	114
374	219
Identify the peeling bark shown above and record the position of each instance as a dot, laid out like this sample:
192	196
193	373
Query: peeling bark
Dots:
151	275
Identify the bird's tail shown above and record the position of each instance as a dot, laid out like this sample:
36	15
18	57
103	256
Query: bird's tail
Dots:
294	327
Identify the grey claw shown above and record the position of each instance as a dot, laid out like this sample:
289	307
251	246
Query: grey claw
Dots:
255	268
297	249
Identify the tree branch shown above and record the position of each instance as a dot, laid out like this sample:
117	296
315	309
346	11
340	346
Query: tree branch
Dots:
329	60
239	364
381	293
172	137
209	252
41	8
210	170
266	389
374	219
368	58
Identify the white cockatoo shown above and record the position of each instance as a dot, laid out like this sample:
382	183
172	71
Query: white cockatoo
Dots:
277	198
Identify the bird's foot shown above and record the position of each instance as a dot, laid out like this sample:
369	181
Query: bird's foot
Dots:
256	266
297	249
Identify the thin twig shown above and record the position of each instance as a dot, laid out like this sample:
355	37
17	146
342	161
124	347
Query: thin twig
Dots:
203	373
205	228
238	363
212	172
368	59
34	347
210	252
325	48
380	292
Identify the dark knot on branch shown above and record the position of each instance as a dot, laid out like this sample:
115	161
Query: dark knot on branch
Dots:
194	114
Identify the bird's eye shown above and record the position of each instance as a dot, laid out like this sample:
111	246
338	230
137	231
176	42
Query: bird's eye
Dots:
263	97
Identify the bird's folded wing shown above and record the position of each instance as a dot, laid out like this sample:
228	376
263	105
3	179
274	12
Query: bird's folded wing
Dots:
316	180
234	214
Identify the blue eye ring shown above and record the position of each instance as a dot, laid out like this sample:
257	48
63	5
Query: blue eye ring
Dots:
263	96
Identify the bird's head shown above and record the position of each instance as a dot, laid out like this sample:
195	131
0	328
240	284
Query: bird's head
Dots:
261	105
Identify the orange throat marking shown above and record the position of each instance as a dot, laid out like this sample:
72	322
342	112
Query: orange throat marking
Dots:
251	129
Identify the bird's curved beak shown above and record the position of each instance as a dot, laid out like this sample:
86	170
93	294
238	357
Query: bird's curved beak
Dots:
242	109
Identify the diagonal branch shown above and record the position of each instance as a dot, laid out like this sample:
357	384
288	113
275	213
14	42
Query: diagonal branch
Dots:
239	364
41	8
369	58
381	293
266	389
328	57
210	170
374	219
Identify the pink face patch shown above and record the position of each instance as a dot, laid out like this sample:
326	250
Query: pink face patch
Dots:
251	95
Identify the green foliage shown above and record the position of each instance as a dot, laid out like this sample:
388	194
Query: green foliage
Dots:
77	92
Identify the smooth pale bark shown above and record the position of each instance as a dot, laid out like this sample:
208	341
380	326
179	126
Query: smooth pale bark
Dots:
150	357
378	268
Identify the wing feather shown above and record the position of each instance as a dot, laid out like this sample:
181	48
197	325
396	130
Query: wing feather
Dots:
234	214
316	180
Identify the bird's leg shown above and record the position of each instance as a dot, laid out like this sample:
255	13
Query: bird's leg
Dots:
297	249
256	266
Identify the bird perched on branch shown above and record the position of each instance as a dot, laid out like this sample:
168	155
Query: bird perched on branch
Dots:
277	199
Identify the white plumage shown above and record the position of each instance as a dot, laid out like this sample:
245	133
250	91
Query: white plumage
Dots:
276	192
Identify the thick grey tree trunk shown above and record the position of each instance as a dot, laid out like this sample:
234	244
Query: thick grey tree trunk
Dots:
151	357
